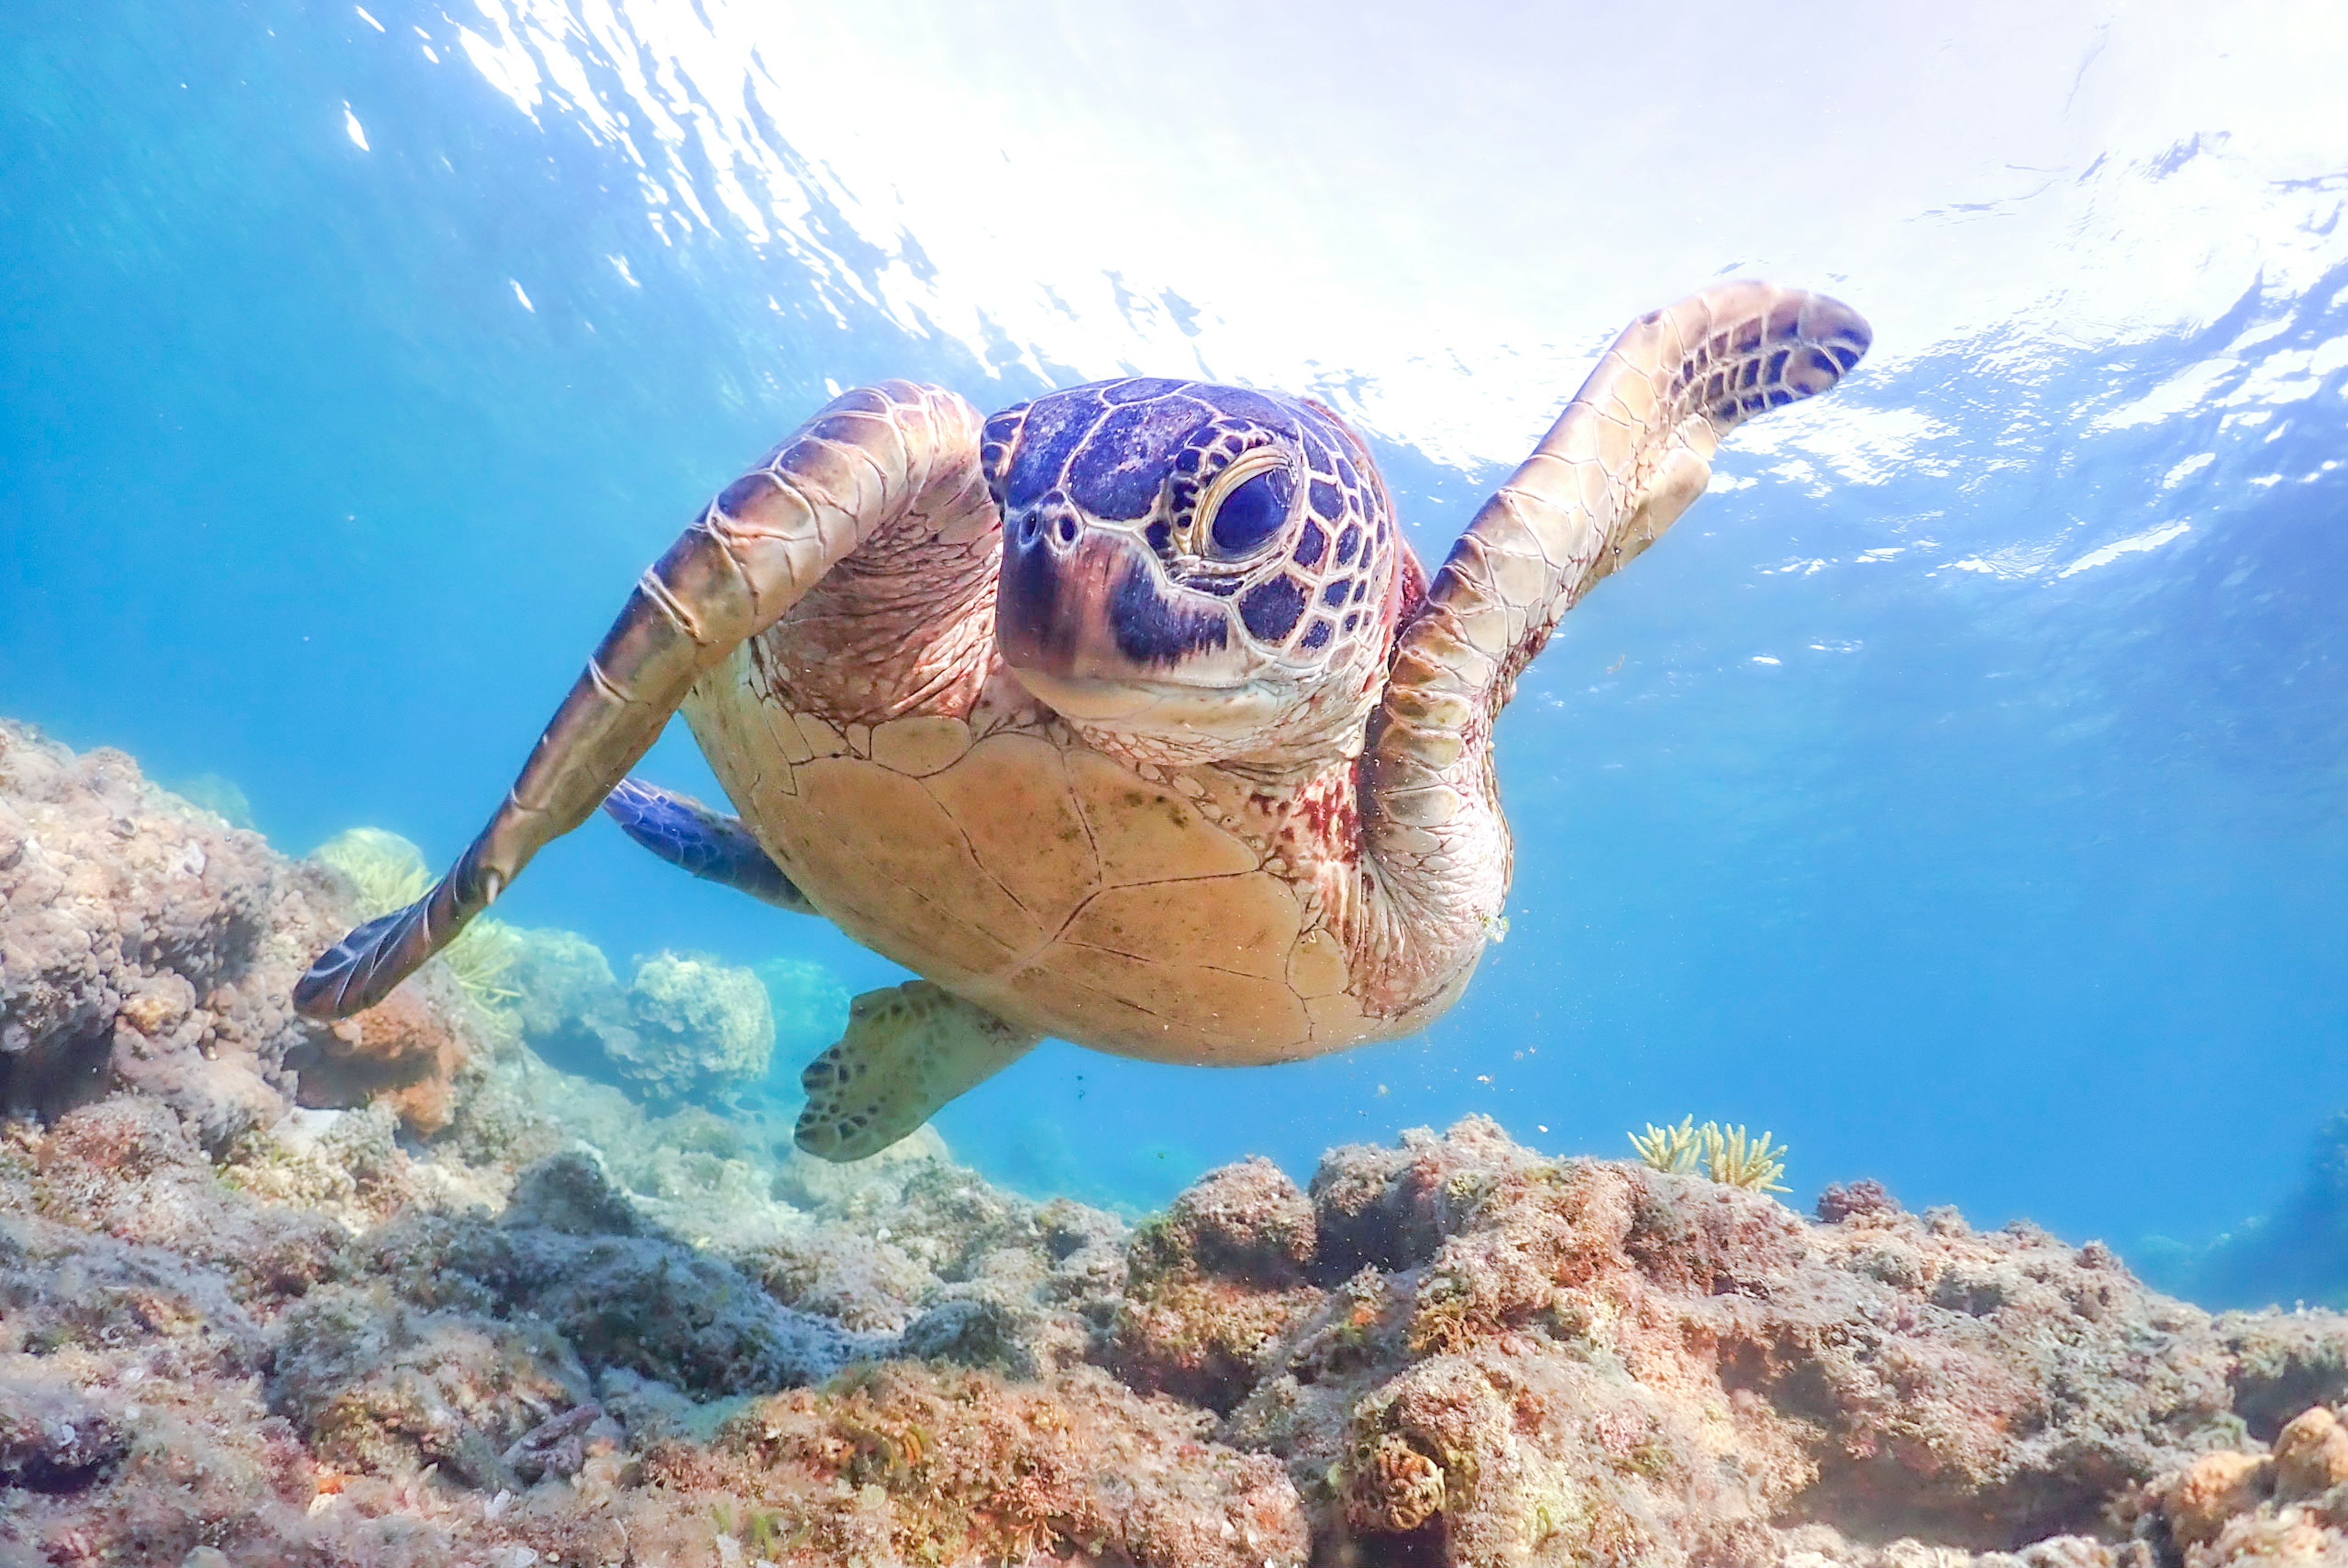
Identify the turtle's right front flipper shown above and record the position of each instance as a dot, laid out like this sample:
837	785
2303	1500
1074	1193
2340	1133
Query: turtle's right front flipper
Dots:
866	458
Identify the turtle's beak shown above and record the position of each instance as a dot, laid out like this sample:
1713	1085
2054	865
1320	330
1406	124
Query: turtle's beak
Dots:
1094	608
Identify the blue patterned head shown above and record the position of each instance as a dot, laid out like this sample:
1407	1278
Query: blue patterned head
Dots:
1190	572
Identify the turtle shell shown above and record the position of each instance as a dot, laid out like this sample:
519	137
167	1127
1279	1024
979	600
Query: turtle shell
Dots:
1169	917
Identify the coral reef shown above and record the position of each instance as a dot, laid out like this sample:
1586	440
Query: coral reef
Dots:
685	1031
1520	1359
487	1312
2287	1505
145	943
324	1346
703	1029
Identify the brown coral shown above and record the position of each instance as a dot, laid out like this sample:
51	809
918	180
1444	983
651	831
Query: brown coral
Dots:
2311	1455
400	1051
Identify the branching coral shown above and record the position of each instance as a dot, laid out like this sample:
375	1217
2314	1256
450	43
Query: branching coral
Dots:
1728	1155
1672	1149
1753	1165
389	874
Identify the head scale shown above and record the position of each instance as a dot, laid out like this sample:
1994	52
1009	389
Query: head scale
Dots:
1193	573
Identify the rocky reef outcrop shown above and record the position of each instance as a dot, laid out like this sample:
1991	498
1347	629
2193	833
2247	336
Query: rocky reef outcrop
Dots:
146	943
683	1031
538	1323
2296	1252
1455	1351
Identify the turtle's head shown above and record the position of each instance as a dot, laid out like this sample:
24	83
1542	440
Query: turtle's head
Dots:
1194	573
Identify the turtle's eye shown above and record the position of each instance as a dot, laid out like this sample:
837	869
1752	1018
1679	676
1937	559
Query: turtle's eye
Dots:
1245	505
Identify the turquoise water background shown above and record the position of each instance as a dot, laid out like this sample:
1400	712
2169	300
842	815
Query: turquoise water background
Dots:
1960	793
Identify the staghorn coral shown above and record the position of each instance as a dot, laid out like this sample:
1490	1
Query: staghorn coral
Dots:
1728	1158
1672	1149
1726	1154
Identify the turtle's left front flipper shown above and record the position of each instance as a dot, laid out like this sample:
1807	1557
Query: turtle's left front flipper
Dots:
709	844
866	458
1630	454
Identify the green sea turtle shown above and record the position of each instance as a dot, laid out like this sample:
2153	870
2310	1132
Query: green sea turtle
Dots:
1125	716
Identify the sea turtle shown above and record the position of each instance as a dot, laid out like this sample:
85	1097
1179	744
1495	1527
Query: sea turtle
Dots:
1126	716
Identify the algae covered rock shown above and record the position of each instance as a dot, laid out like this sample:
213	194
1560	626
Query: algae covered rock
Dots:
563	984
147	944
378	1386
619	1295
1211	1283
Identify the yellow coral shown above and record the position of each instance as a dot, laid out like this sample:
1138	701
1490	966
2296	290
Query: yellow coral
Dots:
1728	1156
389	874
386	870
1672	1149
1730	1159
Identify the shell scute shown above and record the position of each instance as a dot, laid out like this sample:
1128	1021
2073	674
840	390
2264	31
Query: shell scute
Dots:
1145	832
1243	923
921	745
1011	798
1316	964
1170	1011
892	865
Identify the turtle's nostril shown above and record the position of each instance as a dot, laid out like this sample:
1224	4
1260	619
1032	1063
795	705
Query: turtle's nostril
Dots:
1067	530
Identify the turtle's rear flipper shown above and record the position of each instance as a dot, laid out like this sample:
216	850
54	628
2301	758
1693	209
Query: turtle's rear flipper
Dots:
909	1048
709	844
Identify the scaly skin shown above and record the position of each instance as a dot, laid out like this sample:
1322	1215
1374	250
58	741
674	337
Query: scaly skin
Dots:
1631	453
1120	789
758	547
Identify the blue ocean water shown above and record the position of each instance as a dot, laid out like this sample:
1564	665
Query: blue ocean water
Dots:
1958	793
